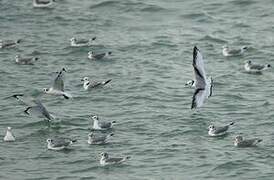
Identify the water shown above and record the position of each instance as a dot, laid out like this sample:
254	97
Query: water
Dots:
152	44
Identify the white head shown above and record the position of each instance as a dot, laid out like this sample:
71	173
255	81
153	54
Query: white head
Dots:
17	58
90	134
211	128
72	40
225	47
85	79
238	139
104	155
189	83
9	129
46	90
94	117
248	62
90	53
49	141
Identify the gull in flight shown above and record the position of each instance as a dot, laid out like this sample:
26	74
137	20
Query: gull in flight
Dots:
203	86
81	42
241	142
94	139
93	56
101	125
39	109
88	85
233	52
218	131
256	68
106	160
9	135
59	143
57	87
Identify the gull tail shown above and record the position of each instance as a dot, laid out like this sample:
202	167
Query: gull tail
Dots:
109	135
230	124
105	82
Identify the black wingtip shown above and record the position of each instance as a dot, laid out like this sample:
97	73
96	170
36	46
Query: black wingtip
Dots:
16	95
112	134
64	70
73	140
26	111
66	97
128	157
260	140
113	122
231	123
93	38
107	81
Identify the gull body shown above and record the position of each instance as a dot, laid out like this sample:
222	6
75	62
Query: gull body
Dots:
253	67
94	139
40	109
241	142
25	60
42	3
9	43
81	42
203	86
233	52
218	131
101	125
59	143
9	135
106	160
93	56
88	85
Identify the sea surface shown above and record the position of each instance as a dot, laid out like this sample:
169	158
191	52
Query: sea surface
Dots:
151	43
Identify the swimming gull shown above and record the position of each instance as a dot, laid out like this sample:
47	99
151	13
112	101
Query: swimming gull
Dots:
9	135
203	86
93	56
106	160
42	3
240	142
218	131
88	85
101	125
94	139
57	87
9	43
256	68
25	60
233	52
81	42
59	143
190	83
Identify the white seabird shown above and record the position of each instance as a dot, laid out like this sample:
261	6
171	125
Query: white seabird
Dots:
42	3
218	131
88	85
101	125
106	160
233	52
256	68
25	60
57	87
203	86
81	42
9	135
9	43
59	143
94	139
40	109
240	142
93	56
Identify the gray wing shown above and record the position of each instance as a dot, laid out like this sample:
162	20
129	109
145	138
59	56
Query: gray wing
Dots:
8	43
256	66
58	82
42	1
199	71
95	84
105	124
114	160
82	41
42	109
99	139
25	60
221	129
60	142
234	51
99	56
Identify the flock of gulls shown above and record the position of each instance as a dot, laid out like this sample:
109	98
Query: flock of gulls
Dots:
203	90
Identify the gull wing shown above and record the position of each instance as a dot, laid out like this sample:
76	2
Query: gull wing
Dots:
41	108
58	82
199	69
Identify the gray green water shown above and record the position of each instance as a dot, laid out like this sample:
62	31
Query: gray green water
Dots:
152	44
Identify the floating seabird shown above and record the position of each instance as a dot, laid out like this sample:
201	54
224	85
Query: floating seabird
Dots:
93	56
218	131
42	3
25	60
190	83
58	86
88	85
94	139
101	125
233	52
9	43
59	143
256	68
240	142
81	42
39	109
106	160
9	136
203	86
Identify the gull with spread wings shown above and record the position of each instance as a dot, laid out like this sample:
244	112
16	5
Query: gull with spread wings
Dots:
203	85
